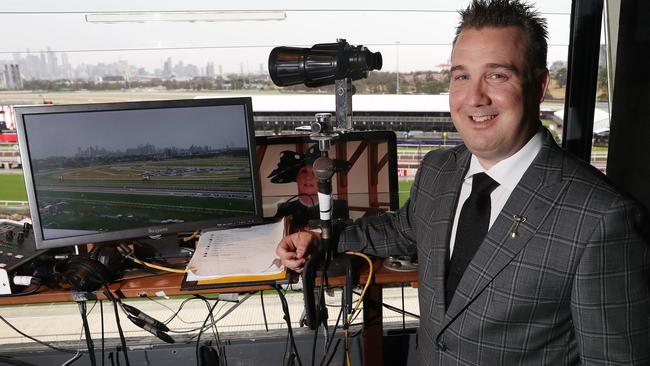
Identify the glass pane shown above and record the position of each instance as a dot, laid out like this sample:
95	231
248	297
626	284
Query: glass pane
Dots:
91	51
600	141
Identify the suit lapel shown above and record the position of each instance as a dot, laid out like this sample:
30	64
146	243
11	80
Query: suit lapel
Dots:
443	219
532	199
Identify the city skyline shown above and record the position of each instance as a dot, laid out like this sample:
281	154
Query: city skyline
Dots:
412	35
46	66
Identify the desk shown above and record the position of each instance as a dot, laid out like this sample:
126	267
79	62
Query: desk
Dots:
170	283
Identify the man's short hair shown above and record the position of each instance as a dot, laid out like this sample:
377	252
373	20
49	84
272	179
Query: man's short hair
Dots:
507	13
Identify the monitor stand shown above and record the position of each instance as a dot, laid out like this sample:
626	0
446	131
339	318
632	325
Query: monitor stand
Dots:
165	247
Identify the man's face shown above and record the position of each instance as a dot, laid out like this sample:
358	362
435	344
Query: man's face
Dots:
490	107
306	181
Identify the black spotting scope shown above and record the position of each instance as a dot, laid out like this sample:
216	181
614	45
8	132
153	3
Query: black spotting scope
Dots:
321	64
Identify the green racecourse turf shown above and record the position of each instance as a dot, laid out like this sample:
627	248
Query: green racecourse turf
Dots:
404	190
101	211
129	174
12	187
129	200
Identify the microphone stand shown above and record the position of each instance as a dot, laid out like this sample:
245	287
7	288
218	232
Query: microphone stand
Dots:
323	259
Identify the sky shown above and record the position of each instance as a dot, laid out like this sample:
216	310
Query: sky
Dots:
211	126
411	35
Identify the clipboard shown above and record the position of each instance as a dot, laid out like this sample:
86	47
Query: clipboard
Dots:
236	257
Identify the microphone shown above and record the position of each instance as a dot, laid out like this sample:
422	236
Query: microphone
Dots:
151	329
324	170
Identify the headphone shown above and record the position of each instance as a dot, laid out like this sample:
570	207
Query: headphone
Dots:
103	265
84	273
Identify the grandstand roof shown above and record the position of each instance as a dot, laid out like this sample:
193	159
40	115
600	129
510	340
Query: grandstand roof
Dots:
601	119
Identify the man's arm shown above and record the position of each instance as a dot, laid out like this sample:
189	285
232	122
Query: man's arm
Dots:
610	304
387	234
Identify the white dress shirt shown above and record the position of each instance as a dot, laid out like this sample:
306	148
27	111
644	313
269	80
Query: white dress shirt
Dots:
507	173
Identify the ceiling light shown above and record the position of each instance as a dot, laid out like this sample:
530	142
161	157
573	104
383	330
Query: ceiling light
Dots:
185	16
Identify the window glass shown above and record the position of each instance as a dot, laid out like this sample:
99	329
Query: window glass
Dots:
105	51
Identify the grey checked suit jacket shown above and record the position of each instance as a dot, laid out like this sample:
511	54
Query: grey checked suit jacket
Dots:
571	288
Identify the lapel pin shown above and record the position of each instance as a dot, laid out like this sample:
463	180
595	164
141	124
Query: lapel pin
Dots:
515	230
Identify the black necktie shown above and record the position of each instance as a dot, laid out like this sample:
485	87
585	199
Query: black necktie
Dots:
472	227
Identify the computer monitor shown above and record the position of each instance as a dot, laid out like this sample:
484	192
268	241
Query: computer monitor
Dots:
365	182
115	171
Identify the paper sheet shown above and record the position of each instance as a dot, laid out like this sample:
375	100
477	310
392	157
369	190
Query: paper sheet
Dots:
238	252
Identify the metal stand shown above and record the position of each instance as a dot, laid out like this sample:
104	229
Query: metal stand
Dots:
324	261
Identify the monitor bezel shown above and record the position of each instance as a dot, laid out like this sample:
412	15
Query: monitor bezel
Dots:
147	231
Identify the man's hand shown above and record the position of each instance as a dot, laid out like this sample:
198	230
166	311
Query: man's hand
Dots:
293	250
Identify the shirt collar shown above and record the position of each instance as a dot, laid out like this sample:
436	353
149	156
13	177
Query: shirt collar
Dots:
509	171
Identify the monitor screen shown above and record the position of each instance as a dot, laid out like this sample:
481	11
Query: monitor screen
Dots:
364	183
106	172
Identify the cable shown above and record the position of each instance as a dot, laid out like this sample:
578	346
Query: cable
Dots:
393	308
89	340
110	296
331	338
193	236
143	320
11	361
30	292
34	339
266	324
221	355
212	326
78	354
174	312
403	306
101	312
198	338
154	266
338	341
81	336
287	319
321	308
73	359
352	315
221	317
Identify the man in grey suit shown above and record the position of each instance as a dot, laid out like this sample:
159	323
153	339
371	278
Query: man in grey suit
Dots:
561	276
